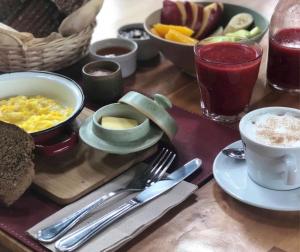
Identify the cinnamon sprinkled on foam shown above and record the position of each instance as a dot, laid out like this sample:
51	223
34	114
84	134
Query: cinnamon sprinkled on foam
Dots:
277	130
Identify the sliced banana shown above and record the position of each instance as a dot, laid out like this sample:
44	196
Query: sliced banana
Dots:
238	22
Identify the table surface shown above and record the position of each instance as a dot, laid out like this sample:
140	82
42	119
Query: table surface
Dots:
210	220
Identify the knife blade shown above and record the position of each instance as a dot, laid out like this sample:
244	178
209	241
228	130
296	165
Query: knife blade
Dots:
77	238
171	180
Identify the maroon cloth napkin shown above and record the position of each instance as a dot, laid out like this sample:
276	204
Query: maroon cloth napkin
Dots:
197	137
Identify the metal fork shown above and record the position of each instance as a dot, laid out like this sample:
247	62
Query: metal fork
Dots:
140	181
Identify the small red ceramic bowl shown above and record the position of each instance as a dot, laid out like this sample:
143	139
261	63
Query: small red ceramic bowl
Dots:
64	90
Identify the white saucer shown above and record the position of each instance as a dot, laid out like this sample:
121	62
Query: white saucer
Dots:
87	136
232	177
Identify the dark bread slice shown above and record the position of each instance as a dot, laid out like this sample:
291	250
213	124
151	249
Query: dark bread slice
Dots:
16	165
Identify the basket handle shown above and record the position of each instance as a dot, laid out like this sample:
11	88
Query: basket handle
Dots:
11	38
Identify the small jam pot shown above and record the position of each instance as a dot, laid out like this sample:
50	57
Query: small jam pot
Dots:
137	33
121	51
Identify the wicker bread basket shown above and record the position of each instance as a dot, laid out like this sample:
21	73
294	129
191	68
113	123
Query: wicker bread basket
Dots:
64	45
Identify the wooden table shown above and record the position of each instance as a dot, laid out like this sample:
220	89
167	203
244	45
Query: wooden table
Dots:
210	220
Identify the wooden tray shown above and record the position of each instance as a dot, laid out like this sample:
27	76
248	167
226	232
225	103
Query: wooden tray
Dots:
69	176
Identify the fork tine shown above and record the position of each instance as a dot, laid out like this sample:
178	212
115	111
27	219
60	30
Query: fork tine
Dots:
163	167
167	166
162	164
160	157
159	165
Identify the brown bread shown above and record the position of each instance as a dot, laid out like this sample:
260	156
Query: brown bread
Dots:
16	165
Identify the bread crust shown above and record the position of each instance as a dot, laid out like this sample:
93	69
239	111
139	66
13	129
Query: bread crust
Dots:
16	162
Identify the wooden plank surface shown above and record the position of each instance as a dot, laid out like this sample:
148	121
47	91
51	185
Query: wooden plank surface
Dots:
211	220
69	176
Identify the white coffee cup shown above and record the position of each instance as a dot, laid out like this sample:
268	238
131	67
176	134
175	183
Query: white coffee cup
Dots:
271	164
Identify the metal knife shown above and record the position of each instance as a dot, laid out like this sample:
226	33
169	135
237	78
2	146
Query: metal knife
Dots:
77	238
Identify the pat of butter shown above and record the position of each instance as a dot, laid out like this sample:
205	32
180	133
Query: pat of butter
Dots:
110	122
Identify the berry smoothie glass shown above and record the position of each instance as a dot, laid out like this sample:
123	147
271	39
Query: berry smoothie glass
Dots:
226	73
283	71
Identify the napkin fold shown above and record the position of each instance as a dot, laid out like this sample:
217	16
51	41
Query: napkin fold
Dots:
130	225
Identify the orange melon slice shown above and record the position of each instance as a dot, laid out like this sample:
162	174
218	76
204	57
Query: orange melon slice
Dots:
176	36
163	29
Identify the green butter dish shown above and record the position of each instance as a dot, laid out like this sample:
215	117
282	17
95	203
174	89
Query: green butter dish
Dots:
87	135
120	135
154	109
151	117
119	141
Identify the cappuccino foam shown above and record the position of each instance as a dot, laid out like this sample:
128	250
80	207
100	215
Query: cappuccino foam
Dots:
275	129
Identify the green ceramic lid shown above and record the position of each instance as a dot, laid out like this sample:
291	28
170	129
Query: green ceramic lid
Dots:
154	109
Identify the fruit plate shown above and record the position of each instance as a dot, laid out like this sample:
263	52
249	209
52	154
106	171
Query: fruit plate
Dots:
184	56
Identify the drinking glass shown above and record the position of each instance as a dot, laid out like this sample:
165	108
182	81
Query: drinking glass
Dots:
226	73
283	71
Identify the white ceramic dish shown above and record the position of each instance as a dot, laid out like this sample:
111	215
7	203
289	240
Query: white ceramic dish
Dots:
232	177
51	85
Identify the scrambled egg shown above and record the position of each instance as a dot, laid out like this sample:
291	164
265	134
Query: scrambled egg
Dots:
33	113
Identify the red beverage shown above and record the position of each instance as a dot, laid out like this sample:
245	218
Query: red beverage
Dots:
284	60
226	73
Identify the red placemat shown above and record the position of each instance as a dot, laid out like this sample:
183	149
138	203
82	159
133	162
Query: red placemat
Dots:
197	137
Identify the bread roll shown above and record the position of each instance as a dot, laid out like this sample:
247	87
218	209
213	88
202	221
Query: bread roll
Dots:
81	18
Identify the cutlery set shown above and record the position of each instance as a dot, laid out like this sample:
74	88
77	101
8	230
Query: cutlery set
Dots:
150	183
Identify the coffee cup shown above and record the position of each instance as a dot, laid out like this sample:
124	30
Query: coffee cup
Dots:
271	139
102	82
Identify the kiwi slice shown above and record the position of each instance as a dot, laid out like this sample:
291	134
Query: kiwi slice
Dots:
255	31
240	33
216	39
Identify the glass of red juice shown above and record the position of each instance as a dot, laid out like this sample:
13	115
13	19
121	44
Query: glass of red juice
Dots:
226	73
283	70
